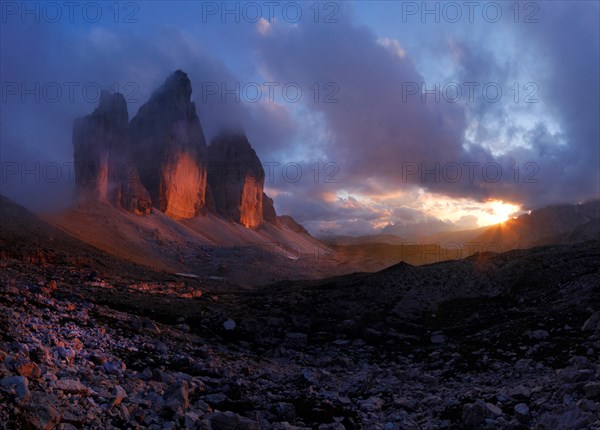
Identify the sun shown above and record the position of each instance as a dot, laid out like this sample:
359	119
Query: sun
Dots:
498	212
480	213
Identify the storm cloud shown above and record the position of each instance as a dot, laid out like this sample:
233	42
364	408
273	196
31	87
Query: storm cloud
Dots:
368	139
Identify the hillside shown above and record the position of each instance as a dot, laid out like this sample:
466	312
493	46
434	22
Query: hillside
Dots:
202	246
556	224
491	341
548	225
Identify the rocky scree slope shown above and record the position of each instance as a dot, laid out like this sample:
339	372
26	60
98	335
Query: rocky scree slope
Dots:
492	341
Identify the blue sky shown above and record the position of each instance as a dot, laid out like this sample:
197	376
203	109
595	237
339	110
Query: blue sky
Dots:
365	156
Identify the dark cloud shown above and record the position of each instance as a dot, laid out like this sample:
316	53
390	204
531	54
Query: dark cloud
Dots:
568	38
50	77
376	133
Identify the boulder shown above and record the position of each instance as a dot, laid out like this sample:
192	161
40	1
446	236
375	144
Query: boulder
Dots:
42	412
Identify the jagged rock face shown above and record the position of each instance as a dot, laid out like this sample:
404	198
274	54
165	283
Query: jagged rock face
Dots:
269	213
170	150
104	170
236	179
161	159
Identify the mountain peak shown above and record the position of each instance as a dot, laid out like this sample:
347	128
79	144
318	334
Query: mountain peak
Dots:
169	148
104	170
177	87
111	102
169	166
236	178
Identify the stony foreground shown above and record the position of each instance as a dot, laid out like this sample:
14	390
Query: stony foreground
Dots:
81	349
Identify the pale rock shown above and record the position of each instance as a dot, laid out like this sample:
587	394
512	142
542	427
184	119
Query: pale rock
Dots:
522	412
229	325
20	383
71	386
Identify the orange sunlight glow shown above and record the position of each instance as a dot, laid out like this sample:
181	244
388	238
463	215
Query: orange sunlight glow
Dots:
498	213
486	213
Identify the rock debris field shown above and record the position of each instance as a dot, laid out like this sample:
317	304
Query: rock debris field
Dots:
493	341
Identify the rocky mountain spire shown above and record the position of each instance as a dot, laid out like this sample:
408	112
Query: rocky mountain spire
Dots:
236	179
104	171
169	148
161	159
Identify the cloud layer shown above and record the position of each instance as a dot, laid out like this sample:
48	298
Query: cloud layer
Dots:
373	149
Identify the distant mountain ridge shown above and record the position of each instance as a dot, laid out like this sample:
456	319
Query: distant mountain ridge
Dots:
556	224
551	224
545	226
